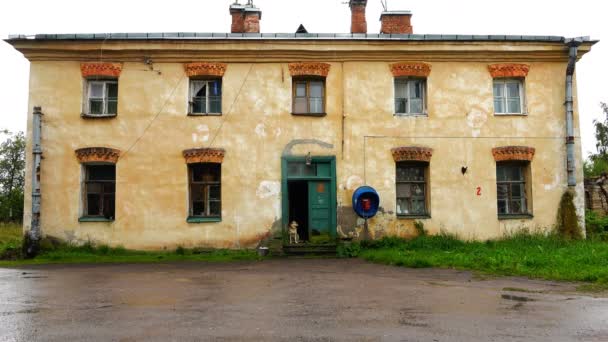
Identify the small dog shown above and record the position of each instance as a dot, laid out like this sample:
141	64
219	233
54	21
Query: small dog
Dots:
293	232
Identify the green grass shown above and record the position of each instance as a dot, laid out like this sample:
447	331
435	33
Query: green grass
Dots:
533	256
53	253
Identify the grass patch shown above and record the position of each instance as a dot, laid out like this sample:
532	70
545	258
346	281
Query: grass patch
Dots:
534	256
53	252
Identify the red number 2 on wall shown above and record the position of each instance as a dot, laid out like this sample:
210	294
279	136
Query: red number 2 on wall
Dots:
478	191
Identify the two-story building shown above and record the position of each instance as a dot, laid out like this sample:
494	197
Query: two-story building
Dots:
158	140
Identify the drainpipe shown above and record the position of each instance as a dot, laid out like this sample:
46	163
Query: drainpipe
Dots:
32	240
573	44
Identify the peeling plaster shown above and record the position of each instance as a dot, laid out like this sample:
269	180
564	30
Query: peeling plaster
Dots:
476	119
260	130
202	135
291	144
353	182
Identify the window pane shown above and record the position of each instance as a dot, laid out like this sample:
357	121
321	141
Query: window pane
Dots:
502	191
316	89
415	89
112	107
93	208
502	206
316	104
418	189
94	188
498	89
108	206
400	90
301	89
96	90
515	173
205	172
517	190
96	107
515	207
109	188
112	89
418	207
499	106
216	88
101	172
214	208
410	173
197	192
300	105
214	192
404	190
513	90
199	105
215	104
199	89
415	106
514	106
198	208
403	207
400	106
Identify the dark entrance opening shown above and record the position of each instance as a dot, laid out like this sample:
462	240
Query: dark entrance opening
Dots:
298	207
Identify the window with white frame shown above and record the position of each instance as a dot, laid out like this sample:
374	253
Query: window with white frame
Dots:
205	96
508	96
101	97
308	96
410	96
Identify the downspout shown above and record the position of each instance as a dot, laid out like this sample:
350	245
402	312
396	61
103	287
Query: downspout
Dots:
32	240
573	45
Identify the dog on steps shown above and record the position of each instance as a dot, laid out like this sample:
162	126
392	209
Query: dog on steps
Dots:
293	232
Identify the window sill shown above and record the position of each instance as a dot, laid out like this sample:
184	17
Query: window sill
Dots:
97	116
516	217
413	217
401	115
510	114
309	114
94	219
194	219
204	114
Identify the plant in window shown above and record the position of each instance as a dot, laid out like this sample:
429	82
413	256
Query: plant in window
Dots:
205	96
102	97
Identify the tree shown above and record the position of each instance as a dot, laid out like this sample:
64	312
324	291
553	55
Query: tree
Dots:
12	176
598	162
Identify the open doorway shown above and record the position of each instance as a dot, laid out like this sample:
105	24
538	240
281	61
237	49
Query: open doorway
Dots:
298	207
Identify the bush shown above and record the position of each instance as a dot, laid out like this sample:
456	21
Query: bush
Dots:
596	224
348	250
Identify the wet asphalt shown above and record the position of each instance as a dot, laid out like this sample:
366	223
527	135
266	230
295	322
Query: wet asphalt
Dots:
288	300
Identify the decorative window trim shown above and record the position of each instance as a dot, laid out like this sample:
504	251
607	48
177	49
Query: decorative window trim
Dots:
508	70
412	153
100	69
411	69
204	155
309	69
205	69
513	153
97	155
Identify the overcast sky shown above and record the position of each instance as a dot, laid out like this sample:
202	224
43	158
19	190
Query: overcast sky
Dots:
526	17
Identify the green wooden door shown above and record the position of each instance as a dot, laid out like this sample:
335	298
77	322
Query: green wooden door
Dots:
319	211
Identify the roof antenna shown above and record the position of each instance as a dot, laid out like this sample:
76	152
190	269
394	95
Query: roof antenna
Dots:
384	5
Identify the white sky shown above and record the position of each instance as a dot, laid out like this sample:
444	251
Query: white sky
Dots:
519	17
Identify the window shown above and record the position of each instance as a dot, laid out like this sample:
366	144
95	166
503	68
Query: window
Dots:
205	96
511	188
99	191
508	96
410	96
102	97
411	189
309	96
205	190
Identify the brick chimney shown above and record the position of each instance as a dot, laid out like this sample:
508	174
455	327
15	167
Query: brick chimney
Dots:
396	22
357	9
245	18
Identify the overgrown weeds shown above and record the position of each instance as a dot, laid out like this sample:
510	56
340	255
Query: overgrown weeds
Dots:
522	254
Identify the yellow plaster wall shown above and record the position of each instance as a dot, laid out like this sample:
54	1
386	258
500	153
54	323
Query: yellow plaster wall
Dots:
152	129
